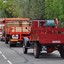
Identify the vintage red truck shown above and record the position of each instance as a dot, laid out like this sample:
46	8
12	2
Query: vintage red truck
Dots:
15	29
45	35
1	27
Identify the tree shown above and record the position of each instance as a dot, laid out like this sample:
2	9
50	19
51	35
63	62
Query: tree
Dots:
54	9
37	9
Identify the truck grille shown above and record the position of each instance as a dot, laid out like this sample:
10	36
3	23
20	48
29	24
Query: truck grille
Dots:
18	29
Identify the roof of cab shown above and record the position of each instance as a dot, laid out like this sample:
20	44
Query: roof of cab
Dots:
16	19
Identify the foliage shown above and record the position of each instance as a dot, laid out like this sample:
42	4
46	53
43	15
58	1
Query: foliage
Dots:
53	9
34	9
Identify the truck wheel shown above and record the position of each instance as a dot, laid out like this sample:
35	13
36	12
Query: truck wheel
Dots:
36	50
61	51
25	50
24	47
10	45
6	41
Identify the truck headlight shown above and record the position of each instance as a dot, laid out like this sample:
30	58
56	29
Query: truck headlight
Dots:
15	36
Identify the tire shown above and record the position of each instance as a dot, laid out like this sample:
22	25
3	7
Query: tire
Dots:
6	41
36	50
10	45
25	50
61	51
7	38
24	47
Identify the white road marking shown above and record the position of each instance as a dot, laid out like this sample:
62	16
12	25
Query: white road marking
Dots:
4	56
9	62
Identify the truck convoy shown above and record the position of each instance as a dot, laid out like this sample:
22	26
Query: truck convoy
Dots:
40	35
45	35
15	29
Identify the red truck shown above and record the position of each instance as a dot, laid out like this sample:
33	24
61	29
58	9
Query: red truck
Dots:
15	29
45	35
1	27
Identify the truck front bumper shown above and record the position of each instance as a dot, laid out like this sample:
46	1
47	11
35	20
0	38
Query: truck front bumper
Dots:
16	41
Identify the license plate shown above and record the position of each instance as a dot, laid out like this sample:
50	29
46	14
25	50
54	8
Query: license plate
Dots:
18	42
56	41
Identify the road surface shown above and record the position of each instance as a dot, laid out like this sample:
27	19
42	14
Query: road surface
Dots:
15	55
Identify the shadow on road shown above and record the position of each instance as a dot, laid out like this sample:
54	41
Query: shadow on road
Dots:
48	56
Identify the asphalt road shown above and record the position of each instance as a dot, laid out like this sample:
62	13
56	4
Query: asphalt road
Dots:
15	56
